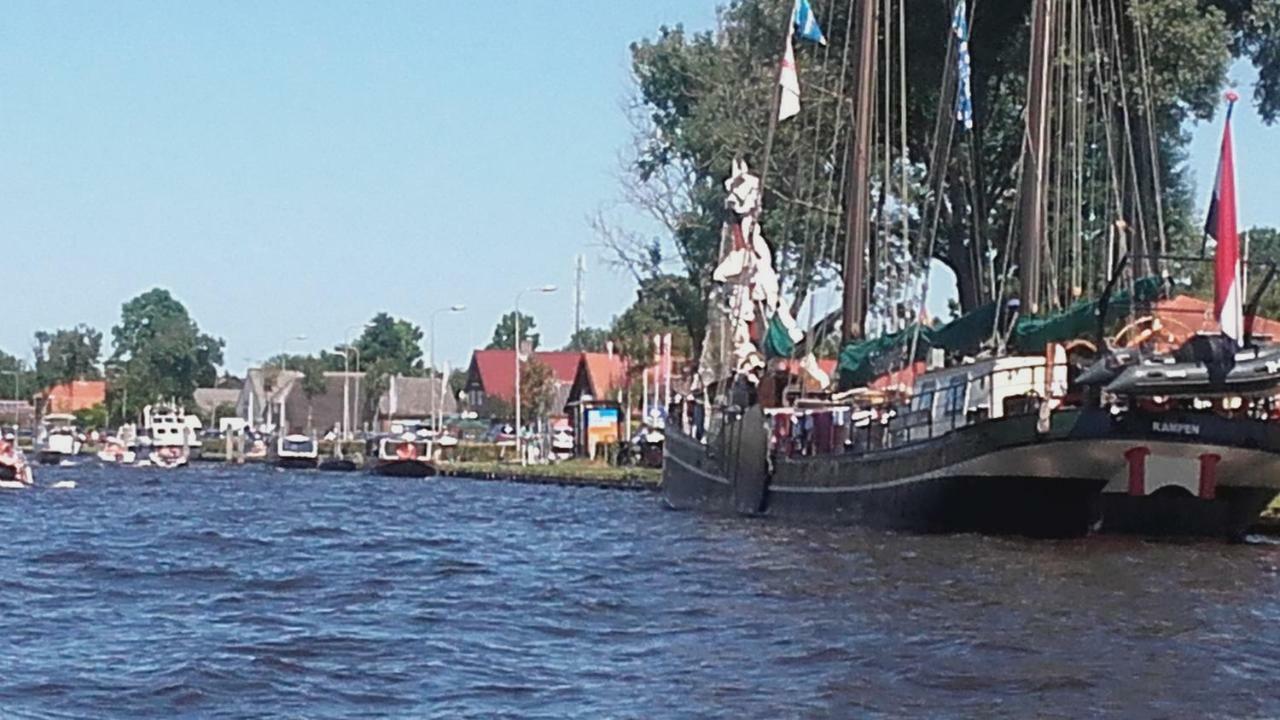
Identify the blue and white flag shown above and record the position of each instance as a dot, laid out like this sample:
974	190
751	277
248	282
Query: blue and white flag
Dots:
964	96
807	24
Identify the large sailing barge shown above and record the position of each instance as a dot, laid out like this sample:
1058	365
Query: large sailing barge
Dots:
1019	422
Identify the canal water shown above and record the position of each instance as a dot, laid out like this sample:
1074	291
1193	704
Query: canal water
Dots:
246	593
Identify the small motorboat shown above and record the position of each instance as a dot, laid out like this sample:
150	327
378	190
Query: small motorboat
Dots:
403	456
297	452
116	452
1204	366
60	441
338	464
165	457
15	472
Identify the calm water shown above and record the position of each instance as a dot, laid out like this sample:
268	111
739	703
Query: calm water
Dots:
255	593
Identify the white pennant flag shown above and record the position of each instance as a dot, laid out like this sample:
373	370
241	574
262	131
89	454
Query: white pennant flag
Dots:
789	97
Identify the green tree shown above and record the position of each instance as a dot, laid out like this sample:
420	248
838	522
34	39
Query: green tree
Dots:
159	353
66	355
223	410
313	383
21	387
1264	247
505	332
457	381
589	339
94	418
702	99
537	390
392	343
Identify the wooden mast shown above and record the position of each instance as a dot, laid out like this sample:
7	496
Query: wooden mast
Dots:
858	204
1035	158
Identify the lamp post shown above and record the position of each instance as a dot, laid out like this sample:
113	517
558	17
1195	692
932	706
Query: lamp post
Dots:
284	359
16	375
431	357
516	340
347	414
284	349
348	417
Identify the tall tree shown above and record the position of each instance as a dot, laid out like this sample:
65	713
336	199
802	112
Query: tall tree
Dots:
505	332
313	383
159	353
537	389
66	355
589	339
703	99
17	379
393	344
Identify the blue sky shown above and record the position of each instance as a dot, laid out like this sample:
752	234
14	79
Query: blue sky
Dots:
292	168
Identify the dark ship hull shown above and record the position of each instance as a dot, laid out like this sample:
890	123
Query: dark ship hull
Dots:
404	468
1001	476
297	463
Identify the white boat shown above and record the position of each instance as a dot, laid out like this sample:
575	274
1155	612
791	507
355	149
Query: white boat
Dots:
15	472
59	440
115	451
297	452
404	456
168	435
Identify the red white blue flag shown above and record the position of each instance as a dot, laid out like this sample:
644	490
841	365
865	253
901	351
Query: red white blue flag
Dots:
1221	226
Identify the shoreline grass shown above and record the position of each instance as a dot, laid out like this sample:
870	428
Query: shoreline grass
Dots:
570	472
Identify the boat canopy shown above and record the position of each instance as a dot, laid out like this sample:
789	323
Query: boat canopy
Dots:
861	362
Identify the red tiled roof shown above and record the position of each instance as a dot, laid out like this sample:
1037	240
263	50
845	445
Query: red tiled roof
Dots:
495	370
1185	315
605	372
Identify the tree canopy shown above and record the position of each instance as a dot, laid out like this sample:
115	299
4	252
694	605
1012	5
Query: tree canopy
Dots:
159	353
589	339
66	355
505	332
392	345
703	99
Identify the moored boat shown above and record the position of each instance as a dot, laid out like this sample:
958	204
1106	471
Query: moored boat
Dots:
403	456
297	452
59	440
115	451
15	471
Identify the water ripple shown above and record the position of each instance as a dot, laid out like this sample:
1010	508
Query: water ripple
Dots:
245	592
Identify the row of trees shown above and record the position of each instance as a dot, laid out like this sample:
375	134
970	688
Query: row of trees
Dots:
158	352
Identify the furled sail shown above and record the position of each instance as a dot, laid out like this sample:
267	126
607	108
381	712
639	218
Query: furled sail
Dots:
749	290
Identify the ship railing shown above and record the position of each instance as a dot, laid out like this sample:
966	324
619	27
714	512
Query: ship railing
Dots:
910	423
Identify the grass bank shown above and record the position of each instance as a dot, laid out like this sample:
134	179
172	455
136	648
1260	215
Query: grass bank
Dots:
571	472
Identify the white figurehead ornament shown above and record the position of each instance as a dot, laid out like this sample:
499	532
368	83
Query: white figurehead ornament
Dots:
743	189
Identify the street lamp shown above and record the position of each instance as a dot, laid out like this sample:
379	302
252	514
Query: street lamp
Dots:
16	375
347	349
516	339
431	357
284	349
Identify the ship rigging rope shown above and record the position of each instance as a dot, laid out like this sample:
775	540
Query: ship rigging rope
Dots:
839	172
1130	156
1144	76
833	172
802	284
928	242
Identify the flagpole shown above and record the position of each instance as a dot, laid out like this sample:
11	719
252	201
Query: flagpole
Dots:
777	104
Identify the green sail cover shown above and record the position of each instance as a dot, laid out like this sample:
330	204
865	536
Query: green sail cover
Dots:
777	341
861	362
